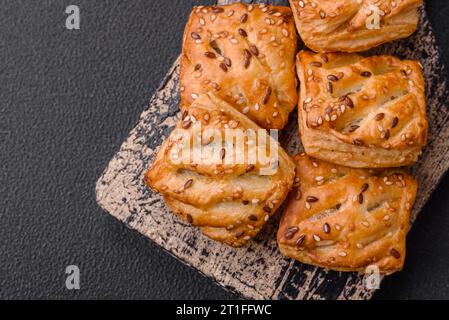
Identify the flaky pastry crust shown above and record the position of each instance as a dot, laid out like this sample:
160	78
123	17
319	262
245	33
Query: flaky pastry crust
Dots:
363	112
347	219
350	25
229	202
244	55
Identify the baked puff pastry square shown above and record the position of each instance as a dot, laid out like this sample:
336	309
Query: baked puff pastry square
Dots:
229	201
353	25
347	219
363	112
246	56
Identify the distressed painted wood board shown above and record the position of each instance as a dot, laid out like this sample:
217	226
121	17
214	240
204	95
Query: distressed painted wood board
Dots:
258	270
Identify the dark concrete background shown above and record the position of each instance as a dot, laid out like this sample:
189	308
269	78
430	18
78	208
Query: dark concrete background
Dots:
68	99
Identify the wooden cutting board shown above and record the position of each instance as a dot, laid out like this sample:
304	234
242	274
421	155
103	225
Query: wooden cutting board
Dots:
258	270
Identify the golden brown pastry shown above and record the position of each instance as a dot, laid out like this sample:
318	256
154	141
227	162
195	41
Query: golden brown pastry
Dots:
229	202
361	112
346	219
246	56
353	25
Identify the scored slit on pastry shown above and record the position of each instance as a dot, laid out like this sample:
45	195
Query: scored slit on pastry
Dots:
229	202
354	25
244	55
360	111
347	219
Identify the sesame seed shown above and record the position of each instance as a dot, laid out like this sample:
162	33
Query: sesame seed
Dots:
267	209
202	22
365	187
285	32
210	55
245	109
330	87
360	198
316	64
230	13
217	10
186	124
291	232
326	228
348	102
256	107
342	254
333	78
189	218
239	234
227	61
316	238
300	240
254	50
395	122
195	36
359	245
244	18
395	253
311	199
252	217
223	67
353	128
246	58
379	116
188	183
242	32
267	95
365	74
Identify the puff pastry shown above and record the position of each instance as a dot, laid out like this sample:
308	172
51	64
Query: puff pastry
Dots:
347	219
246	56
364	112
353	25
229	202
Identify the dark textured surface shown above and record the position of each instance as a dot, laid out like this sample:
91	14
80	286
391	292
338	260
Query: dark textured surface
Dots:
68	99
